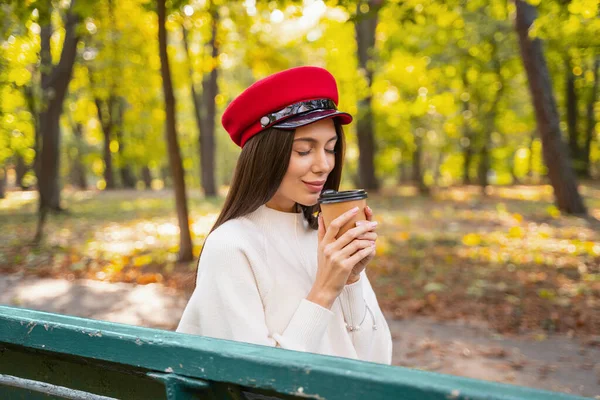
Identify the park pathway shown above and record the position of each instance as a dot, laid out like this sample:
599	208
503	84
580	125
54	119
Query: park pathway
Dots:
557	363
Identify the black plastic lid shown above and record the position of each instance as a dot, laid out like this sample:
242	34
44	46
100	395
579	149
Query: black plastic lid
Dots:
331	196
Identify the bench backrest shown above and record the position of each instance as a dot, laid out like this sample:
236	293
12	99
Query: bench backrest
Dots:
44	354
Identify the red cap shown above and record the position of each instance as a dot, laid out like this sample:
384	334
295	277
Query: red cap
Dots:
286	100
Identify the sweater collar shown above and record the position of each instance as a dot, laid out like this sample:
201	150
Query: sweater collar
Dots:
280	218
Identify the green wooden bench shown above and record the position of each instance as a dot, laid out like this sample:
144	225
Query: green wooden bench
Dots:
44	355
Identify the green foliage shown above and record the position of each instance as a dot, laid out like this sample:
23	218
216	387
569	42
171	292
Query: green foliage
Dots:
447	73
17	54
458	254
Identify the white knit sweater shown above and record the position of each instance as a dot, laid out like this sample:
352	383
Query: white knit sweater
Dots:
253	278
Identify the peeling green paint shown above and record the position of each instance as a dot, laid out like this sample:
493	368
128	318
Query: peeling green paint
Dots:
121	361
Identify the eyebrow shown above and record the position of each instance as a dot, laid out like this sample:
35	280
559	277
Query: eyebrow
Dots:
312	140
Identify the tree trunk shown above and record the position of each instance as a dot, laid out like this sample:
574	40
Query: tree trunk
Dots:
468	158
467	135
127	177
185	240
556	157
437	171
513	170
2	182
147	177
530	160
571	106
484	163
365	37
105	110
591	118
575	150
37	147
195	98
210	90
205	110
490	122
416	166
78	169
55	81
32	106
165	174
20	169
403	171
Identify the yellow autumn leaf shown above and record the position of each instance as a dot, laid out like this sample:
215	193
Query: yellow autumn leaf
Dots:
471	239
401	236
589	247
145	279
516	232
553	211
518	217
382	246
141	260
112	269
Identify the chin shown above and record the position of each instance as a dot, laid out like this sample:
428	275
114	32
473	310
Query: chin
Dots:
309	201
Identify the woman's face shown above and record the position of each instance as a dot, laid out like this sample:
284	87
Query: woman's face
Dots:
311	161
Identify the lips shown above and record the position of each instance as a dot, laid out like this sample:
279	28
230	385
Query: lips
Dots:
314	186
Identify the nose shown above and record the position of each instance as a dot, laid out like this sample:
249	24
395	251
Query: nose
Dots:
323	163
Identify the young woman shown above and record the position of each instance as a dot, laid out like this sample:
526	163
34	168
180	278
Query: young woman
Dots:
269	273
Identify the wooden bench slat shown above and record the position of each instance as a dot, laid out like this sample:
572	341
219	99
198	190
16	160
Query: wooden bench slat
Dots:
228	365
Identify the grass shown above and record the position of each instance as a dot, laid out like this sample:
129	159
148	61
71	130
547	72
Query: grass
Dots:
509	258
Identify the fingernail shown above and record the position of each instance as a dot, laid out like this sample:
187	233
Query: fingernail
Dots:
354	210
372	244
373	224
359	223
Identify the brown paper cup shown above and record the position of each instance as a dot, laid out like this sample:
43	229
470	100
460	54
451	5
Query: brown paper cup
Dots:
333	210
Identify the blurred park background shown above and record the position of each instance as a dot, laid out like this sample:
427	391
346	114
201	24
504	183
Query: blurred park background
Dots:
476	134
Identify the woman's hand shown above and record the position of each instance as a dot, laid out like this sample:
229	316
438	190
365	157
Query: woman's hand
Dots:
338	257
371	235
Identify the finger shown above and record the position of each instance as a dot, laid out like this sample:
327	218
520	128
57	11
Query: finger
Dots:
353	233
359	223
336	224
368	236
321	227
369	213
354	246
359	255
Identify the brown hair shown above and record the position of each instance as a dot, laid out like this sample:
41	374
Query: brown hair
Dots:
260	169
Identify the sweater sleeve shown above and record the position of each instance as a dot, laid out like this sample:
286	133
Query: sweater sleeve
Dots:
370	344
226	304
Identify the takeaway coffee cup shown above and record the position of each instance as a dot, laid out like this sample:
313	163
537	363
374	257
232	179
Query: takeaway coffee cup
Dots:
333	204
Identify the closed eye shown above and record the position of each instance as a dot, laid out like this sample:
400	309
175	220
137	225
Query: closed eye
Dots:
305	153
